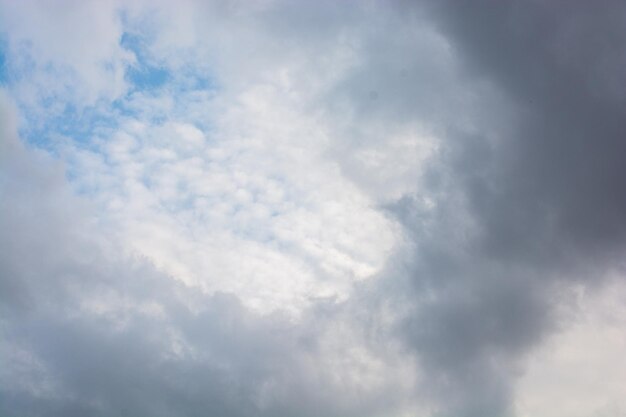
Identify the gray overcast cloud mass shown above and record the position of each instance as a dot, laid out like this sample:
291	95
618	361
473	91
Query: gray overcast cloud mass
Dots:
293	209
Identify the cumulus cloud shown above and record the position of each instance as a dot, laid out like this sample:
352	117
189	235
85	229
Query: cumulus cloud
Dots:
317	209
88	329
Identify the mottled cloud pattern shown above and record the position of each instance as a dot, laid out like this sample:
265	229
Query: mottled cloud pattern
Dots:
285	208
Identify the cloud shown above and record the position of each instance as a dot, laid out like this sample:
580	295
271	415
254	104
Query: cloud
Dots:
579	372
69	49
90	329
523	200
223	210
309	209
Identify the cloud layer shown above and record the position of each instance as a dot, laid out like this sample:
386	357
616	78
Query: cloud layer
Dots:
294	209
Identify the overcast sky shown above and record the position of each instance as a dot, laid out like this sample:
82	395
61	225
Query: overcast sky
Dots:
283	208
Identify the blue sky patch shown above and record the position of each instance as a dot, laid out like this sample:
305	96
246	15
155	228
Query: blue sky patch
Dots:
145	74
146	77
3	62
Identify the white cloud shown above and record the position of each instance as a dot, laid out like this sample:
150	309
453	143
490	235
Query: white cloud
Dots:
71	50
235	188
580	371
252	207
90	329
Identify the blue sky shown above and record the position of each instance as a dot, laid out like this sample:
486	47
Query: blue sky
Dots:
3	64
143	75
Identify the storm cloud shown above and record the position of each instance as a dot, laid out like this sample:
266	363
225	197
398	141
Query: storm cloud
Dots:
528	199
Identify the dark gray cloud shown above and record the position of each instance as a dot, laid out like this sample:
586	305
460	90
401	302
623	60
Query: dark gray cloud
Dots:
552	185
528	190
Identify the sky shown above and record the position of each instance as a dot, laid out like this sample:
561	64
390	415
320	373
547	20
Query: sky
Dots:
283	208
